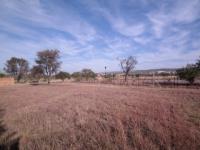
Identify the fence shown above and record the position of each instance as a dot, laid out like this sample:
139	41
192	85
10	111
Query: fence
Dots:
159	81
5	81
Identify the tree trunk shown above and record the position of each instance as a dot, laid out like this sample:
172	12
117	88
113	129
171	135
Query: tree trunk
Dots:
48	79
19	78
125	79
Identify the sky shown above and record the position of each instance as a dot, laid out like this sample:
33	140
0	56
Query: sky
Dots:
97	33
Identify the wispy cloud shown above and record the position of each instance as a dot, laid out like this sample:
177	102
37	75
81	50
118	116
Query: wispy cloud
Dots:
94	33
168	16
35	14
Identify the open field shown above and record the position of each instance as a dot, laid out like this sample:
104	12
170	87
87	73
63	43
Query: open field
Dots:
89	116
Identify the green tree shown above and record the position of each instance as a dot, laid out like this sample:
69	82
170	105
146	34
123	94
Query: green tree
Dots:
76	76
62	75
17	67
37	72
2	75
189	73
48	60
87	74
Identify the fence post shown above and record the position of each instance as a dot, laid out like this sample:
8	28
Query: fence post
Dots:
153	80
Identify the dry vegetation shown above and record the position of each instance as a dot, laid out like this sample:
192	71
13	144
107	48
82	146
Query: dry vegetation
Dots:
85	116
6	81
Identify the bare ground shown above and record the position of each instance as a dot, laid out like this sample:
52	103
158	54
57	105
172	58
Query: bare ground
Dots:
88	116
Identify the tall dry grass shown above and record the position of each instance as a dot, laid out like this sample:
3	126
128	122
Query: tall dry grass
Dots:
82	116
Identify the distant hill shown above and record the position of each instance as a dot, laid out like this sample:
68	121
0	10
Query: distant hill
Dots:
170	70
148	71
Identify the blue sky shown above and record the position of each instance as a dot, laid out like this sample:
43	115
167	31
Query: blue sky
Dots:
94	33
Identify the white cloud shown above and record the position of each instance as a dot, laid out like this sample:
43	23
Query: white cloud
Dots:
130	30
142	40
33	13
29	48
159	21
168	46
186	11
96	65
116	20
164	18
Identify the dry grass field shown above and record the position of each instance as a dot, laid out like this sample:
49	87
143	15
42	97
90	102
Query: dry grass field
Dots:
6	81
87	116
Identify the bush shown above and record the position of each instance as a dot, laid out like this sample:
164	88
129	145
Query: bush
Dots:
76	76
188	73
87	74
63	75
84	74
37	72
2	75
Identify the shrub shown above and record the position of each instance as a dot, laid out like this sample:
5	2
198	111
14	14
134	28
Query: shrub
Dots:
88	73
188	73
84	74
76	76
2	75
63	75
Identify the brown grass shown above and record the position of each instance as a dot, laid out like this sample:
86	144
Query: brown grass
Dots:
6	81
83	116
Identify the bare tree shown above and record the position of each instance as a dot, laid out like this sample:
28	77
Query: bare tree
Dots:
127	65
17	67
48	60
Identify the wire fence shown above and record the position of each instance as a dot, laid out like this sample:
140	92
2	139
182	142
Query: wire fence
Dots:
152	81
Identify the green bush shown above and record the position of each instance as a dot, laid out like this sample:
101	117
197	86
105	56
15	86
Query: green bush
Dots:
188	73
84	74
63	75
88	74
2	75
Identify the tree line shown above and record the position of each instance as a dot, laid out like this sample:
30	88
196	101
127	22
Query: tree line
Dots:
47	64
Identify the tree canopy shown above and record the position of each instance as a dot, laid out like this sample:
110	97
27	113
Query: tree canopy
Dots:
84	74
62	75
37	72
48	60
189	73
17	67
88	73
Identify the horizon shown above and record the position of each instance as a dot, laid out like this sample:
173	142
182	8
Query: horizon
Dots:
2	71
93	34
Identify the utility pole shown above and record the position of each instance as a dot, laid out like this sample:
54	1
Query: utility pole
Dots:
105	71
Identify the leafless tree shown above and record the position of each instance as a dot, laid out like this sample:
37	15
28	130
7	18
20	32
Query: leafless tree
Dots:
127	65
48	60
17	67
